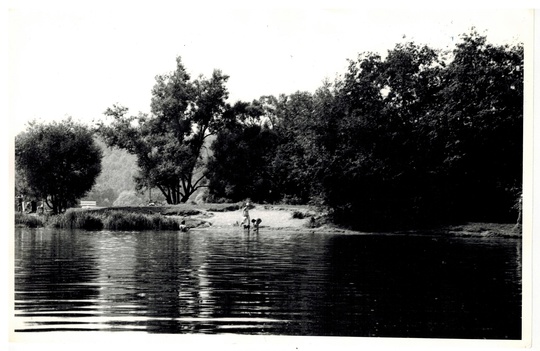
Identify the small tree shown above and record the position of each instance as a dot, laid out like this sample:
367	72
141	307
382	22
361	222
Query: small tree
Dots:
59	162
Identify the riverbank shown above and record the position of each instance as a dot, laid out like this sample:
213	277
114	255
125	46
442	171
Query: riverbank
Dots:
228	216
304	218
224	216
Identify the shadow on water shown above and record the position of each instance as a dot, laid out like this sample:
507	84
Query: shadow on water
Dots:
425	287
281	283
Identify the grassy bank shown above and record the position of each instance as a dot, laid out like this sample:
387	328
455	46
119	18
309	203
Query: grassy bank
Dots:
114	219
166	217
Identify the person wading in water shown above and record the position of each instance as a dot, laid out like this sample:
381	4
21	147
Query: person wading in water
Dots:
245	214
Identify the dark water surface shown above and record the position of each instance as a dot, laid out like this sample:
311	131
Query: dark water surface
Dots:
281	283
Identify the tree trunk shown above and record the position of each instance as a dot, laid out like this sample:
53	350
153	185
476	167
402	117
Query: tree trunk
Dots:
185	198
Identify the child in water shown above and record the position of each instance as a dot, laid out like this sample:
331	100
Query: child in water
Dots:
183	227
256	223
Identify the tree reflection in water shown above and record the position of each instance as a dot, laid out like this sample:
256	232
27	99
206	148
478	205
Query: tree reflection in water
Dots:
291	283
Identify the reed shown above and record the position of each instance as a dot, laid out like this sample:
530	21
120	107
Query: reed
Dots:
118	220
112	220
76	219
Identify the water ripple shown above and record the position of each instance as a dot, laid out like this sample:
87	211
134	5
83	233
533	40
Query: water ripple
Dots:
272	283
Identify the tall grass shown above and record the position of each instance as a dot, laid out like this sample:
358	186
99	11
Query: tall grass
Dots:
113	220
76	219
116	220
28	220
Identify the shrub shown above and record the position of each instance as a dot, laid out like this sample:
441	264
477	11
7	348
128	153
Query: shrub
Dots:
298	215
316	222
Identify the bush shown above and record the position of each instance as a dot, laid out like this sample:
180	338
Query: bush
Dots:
298	215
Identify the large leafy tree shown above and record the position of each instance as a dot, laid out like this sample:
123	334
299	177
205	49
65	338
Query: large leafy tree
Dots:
242	154
170	143
58	162
264	153
292	172
480	126
352	176
419	137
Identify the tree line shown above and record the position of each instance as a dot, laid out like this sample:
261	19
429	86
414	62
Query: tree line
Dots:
415	137
420	136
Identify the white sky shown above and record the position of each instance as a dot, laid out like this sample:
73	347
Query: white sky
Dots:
66	60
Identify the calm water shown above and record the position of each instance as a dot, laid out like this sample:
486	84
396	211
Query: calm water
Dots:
281	283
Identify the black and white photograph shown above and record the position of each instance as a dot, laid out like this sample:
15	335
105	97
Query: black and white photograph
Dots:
279	175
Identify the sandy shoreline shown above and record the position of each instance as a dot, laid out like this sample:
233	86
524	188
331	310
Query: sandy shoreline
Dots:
271	218
281	217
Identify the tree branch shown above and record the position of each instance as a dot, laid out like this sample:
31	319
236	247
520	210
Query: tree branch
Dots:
197	182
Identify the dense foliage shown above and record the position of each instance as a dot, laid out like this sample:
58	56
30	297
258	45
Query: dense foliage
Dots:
240	167
416	137
56	162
